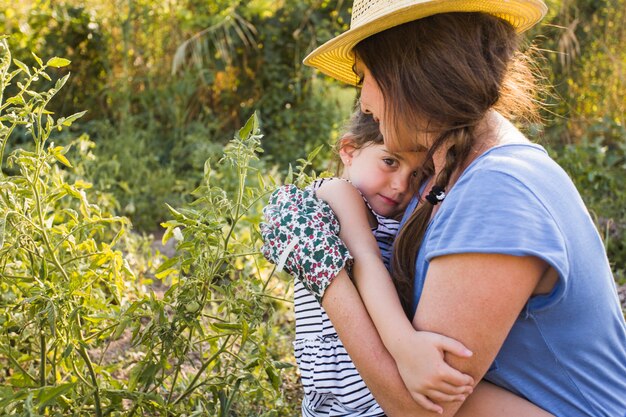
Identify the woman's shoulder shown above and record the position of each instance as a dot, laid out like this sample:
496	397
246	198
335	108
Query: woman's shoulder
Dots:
518	176
525	161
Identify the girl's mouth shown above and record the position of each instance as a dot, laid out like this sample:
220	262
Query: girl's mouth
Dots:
389	200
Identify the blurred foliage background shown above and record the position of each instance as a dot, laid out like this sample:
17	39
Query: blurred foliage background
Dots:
166	83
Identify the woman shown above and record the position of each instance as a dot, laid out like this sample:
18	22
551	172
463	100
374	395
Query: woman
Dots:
498	251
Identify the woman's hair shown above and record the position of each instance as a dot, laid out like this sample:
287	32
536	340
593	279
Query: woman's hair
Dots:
439	76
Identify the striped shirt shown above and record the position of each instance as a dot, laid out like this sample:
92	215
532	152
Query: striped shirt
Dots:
332	385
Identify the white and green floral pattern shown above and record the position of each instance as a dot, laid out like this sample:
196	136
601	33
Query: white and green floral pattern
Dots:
301	234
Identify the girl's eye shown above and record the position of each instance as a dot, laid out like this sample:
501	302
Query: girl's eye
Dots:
389	161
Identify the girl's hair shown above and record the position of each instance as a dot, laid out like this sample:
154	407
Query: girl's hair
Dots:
362	130
439	76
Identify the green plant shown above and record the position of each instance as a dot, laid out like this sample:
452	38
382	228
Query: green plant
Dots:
223	294
61	280
80	335
596	165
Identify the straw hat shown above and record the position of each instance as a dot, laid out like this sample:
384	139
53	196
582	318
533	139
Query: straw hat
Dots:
335	57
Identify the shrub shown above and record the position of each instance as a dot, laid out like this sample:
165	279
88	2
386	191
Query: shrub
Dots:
596	165
79	333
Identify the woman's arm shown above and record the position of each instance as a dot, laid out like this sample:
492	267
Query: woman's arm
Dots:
491	400
378	369
475	298
379	296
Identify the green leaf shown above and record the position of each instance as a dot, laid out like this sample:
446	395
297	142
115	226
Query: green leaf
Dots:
3	222
123	325
19	100
167	265
227	326
69	120
251	126
16	396
274	378
62	159
57	62
66	352
61	82
245	331
282	365
49	394
22	66
289	176
43	270
39	61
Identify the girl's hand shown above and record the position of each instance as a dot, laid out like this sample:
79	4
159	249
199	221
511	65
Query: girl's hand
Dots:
427	376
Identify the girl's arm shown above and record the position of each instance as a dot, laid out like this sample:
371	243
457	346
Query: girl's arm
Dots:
430	378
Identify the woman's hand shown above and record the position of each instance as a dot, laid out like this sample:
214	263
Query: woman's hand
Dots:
429	379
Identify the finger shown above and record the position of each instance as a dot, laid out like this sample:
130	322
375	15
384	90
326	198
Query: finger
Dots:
454	347
451	389
455	377
441	397
427	404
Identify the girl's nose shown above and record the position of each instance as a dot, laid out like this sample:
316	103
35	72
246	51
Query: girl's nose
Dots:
400	183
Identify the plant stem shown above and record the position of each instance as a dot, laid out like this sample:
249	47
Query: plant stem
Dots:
205	365
54	364
19	366
177	372
92	374
42	358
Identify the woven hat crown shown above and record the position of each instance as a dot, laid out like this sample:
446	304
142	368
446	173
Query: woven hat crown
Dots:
335	57
364	11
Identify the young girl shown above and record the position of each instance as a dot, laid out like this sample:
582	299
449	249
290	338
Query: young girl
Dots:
374	189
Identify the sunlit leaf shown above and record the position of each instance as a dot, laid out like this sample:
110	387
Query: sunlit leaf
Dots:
57	62
22	66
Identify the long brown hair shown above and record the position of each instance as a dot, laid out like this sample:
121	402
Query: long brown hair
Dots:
440	75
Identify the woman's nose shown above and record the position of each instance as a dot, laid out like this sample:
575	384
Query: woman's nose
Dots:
364	108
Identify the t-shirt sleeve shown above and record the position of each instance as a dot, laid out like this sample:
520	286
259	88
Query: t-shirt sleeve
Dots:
493	212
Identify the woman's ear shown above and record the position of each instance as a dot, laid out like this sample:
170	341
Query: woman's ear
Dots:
347	147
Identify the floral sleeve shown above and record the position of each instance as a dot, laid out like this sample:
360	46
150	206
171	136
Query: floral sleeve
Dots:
301	235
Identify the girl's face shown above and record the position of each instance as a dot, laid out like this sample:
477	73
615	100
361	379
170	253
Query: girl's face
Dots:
384	178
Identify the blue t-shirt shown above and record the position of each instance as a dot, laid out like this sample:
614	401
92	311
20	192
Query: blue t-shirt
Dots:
567	350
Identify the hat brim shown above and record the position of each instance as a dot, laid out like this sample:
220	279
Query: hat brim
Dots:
336	59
